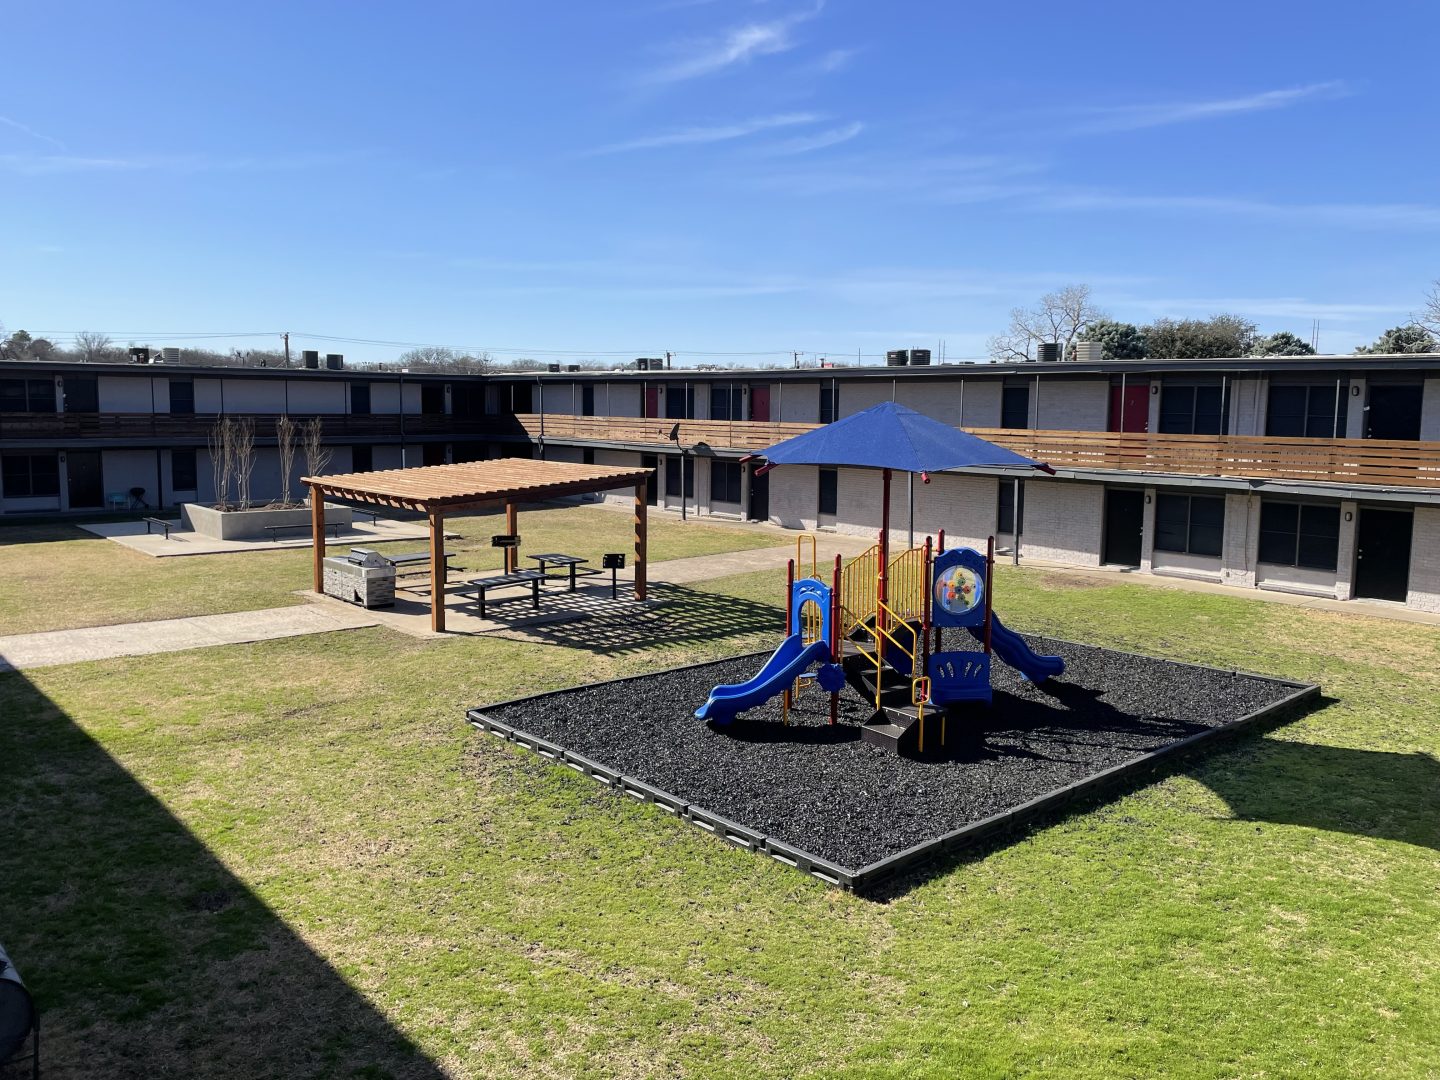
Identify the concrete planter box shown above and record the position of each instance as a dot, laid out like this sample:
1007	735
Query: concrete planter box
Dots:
252	524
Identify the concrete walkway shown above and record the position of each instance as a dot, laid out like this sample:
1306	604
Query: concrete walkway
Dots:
22	651
132	534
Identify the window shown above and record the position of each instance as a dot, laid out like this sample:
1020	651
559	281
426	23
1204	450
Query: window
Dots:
829	491
27	395
182	400
587	400
1393	412
587	456
182	470
1015	407
726	403
829	403
680	402
82	394
30	476
360	399
1189	524
725	482
1192	410
362	459
1005	522
674	465
1305	412
432	399
1299	534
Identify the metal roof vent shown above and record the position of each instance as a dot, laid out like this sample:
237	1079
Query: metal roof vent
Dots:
1089	351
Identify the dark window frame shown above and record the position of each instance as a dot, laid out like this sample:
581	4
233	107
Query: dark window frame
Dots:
1305	535
1005	508
181	461
369	452
1202	531
363	405
187	398
725	482
27	392
727	401
1013	400
78	400
20	483
1181	411
1307	421
829	403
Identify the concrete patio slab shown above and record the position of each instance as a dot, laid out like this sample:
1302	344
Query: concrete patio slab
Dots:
22	651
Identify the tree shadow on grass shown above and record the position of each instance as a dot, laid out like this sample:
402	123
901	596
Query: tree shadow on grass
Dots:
146	956
677	616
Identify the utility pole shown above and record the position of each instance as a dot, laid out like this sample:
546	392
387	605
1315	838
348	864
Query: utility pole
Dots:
286	336
795	357
667	359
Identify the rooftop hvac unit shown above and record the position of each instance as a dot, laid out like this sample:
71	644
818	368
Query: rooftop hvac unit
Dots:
310	358
334	361
897	357
1048	352
572	367
170	354
1089	351
649	363
920	357
139	354
552	368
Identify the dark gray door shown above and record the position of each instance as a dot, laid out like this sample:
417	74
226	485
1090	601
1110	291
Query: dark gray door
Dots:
759	496
1382	554
1124	521
86	480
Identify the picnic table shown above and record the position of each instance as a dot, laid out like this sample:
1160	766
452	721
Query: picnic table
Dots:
574	562
414	562
533	578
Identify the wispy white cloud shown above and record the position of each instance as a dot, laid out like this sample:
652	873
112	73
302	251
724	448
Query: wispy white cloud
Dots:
1348	215
27	130
804	144
833	61
738	45
945	178
1099	120
53	164
692	136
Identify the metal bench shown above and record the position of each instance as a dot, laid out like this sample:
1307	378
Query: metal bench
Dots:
574	562
533	578
414	562
332	526
151	522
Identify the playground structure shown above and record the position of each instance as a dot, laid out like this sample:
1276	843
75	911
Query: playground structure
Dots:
878	626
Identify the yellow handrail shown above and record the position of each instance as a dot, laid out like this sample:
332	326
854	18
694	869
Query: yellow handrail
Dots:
800	556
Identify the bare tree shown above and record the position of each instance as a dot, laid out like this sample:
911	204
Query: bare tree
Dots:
1429	315
312	443
1061	317
218	442
242	440
93	347
285	435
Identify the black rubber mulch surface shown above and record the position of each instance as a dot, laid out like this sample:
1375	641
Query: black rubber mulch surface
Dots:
820	788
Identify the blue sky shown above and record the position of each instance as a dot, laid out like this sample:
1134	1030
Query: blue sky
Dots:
717	178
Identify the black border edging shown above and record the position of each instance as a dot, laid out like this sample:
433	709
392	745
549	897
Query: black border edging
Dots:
929	851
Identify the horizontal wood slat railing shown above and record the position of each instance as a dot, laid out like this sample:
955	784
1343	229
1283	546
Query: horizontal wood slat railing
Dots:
1335	461
75	425
721	434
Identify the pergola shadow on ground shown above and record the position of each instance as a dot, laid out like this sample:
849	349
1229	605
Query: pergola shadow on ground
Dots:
146	955
438	490
674	615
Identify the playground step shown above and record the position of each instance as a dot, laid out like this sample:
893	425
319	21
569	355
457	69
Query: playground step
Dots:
883	734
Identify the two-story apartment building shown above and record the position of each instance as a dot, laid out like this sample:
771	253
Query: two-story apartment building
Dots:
1318	475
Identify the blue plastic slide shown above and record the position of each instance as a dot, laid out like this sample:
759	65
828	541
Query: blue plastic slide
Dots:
791	660
1011	648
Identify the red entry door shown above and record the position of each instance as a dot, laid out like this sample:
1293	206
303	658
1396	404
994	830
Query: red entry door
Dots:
759	403
1133	412
652	401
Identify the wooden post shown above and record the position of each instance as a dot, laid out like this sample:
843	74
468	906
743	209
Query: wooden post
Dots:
512	526
437	572
640	511
317	533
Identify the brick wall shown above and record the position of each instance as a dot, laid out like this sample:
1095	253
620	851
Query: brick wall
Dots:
1063	521
795	496
981	399
1071	404
1425	560
798	402
940	400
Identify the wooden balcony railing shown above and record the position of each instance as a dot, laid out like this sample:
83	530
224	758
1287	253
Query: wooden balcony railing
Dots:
335	426
1333	461
720	434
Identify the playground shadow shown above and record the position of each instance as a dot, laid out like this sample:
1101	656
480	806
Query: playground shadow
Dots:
674	615
146	956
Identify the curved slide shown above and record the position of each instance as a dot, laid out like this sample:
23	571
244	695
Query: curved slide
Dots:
791	660
1011	648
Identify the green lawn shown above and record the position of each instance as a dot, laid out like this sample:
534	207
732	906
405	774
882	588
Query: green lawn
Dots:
57	576
294	859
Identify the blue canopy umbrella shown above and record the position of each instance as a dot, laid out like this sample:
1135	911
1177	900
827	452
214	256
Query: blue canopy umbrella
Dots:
892	437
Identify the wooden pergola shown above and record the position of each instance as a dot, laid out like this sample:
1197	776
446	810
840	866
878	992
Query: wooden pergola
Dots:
438	490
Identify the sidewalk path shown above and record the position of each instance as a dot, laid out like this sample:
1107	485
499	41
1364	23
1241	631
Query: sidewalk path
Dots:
22	651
